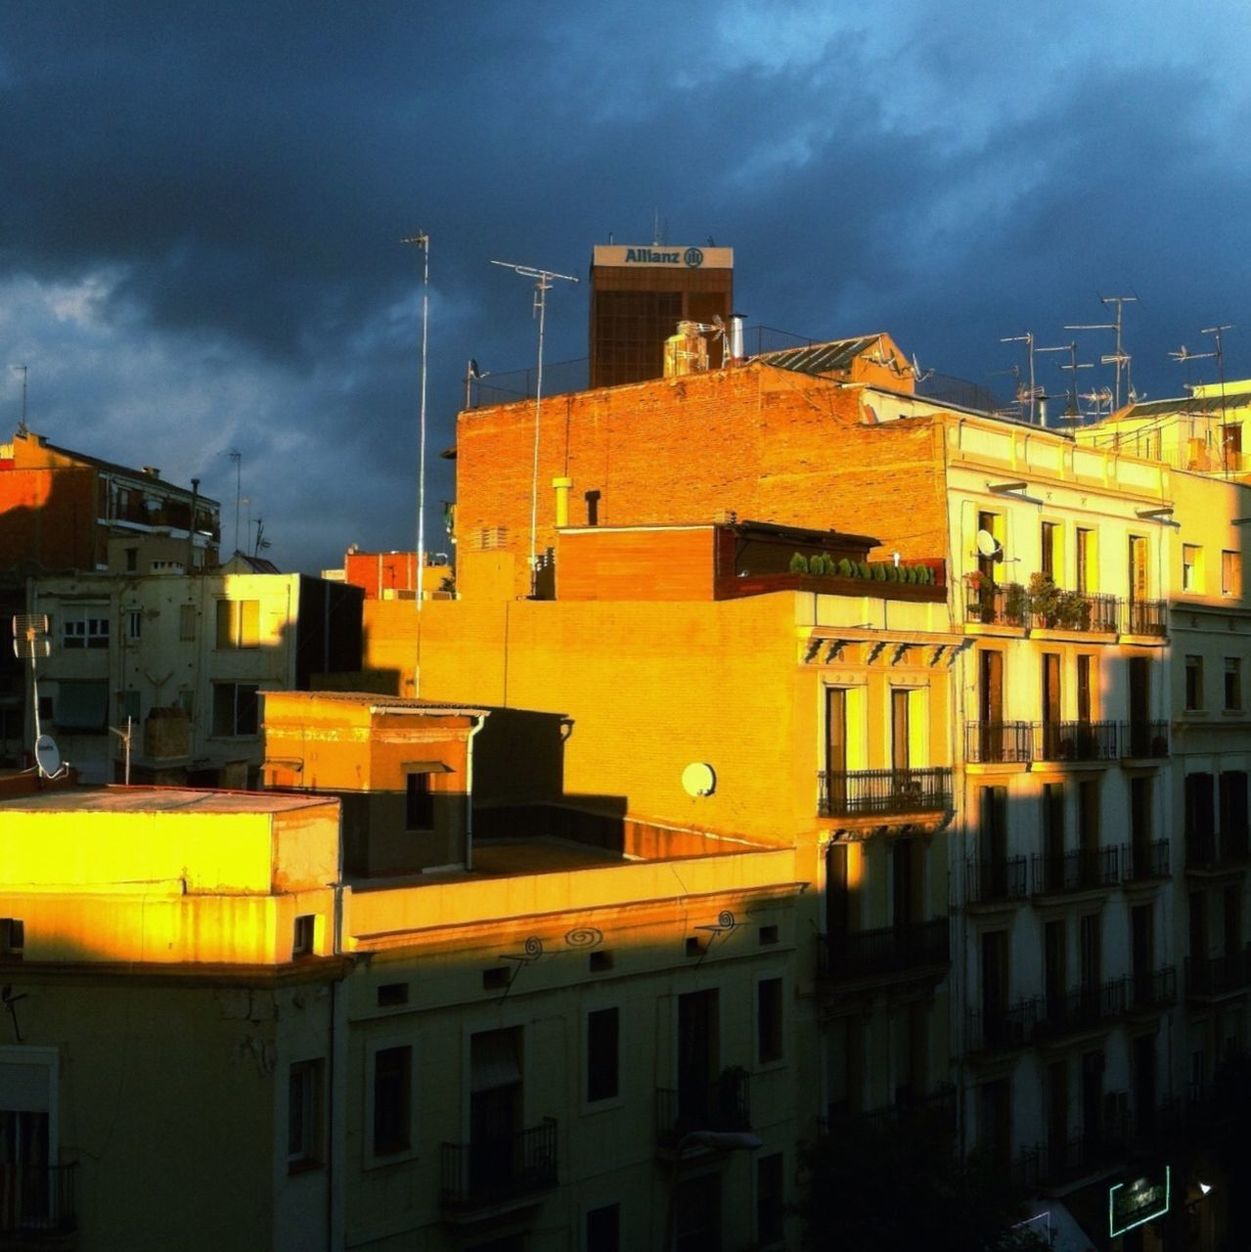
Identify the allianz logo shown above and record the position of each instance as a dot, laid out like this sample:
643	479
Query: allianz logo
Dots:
692	257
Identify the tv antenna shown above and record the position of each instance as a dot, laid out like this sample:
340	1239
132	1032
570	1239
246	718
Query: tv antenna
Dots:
25	370
1033	393
1073	366
30	642
422	241
1218	352
237	457
1119	357
542	285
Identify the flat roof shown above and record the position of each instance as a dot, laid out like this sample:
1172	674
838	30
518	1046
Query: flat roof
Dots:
160	800
415	704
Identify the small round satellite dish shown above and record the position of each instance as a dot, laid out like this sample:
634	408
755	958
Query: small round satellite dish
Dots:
47	756
987	544
699	779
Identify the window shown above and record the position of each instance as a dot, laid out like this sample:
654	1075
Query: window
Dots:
497	978
599	962
697	1220
81	705
392	995
1086	577
235	709
392	1100
85	627
1050	549
12	937
1192	568
768	934
1194	683
186	622
602	1048
130	705
304	1114
418	803
28	1138
769	1004
238	623
770	1200
134	624
302	935
1233	683
132	560
1231	573
603	1229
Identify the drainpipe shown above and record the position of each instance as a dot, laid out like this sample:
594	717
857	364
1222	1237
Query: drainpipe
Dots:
481	721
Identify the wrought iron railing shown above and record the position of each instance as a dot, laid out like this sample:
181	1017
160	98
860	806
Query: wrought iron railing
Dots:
1144	740
990	743
1144	860
848	793
1082	1009
721	1105
1006	604
1076	741
888	950
37	1198
1146	617
1002	1029
992	882
1083	869
499	1168
1218	975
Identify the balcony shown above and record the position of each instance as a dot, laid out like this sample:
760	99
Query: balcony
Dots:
1002	1029
874	792
1087	1008
1145	861
498	1173
1144	740
1040	606
999	743
1146	617
36	1204
1076	741
722	1105
996	882
1210	977
1004	604
935	1111
1083	1154
1151	989
889	952
1085	869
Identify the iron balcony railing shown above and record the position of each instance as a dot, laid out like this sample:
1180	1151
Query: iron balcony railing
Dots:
1144	740
999	1029
991	743
1083	612
37	1199
1084	869
885	951
721	1105
1218	975
1153	988
1005	604
1076	741
1074	1157
1143	861
1146	617
1083	1009
994	882
498	1169
850	793
935	1109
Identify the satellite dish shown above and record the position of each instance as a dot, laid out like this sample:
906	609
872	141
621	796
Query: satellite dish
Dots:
699	779
987	544
47	756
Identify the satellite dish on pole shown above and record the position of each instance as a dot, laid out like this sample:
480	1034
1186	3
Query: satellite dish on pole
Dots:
47	756
987	544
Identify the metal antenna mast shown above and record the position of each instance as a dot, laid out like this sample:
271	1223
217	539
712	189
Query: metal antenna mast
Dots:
25	371
422	240
1184	354
1028	340
1119	358
542	285
237	457
1073	367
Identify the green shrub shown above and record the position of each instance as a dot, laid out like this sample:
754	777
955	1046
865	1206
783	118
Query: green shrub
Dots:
844	567
863	568
799	563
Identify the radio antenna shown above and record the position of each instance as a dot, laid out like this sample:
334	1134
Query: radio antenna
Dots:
1119	358
542	285
422	240
1033	394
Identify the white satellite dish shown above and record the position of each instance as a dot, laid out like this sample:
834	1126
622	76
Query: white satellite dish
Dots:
47	756
987	544
699	779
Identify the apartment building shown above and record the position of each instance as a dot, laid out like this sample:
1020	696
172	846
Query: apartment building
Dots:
184	658
548	1041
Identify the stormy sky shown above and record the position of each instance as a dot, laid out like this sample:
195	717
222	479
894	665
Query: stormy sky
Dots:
201	207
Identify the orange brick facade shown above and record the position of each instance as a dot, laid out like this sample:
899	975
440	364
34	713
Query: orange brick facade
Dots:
765	443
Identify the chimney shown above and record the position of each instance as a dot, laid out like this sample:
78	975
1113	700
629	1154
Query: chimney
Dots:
152	471
737	352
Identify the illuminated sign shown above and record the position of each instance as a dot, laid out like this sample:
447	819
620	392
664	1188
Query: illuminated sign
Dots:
1136	1203
668	256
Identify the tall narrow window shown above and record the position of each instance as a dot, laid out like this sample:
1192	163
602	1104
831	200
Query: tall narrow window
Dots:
603	1229
392	1100
1233	684
1192	568
304	1114
238	623
1086	580
1085	687
1050	532
769	1025
418	802
770	1200
602	1050
1231	573
1194	683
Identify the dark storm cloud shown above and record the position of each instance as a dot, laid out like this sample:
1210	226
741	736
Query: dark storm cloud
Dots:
201	206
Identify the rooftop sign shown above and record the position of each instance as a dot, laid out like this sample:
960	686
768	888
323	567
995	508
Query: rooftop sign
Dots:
1135	1203
668	256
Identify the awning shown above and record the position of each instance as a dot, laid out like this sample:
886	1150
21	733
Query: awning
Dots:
425	767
